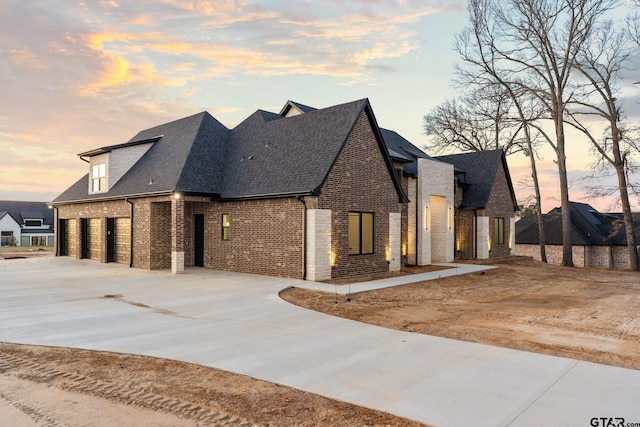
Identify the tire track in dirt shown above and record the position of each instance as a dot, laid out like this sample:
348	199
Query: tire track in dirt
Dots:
122	393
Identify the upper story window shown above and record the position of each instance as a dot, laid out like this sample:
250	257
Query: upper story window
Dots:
33	223
99	178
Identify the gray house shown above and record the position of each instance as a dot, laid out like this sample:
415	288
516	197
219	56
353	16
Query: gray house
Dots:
26	224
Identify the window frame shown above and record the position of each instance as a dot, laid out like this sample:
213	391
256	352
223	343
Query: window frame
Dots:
361	233
33	223
225	226
99	182
498	231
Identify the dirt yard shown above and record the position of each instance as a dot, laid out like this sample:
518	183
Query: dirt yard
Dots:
585	314
580	313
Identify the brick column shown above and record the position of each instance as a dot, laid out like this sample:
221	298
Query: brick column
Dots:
177	235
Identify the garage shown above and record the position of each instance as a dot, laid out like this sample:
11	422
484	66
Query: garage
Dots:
68	236
119	240
91	238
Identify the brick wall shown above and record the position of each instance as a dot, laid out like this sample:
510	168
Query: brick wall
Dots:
500	205
465	233
265	236
360	182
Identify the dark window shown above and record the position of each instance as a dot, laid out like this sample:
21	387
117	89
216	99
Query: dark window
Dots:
226	226
33	222
6	238
498	231
38	241
360	233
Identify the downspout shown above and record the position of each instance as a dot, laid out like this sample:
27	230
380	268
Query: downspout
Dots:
56	230
304	238
130	233
417	213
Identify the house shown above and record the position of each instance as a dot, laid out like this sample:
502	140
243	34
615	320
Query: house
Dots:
26	224
485	205
598	239
305	193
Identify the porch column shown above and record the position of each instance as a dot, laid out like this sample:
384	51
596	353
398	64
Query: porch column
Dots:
395	241
482	237
512	236
177	234
318	244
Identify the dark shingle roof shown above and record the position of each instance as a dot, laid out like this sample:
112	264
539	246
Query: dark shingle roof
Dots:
588	227
265	155
189	157
397	145
20	211
478	171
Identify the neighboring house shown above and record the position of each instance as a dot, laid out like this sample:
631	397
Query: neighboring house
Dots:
486	205
26	224
305	193
598	239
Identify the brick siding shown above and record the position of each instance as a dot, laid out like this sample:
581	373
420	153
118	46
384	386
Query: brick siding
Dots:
359	182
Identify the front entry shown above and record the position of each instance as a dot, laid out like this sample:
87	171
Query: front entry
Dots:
198	240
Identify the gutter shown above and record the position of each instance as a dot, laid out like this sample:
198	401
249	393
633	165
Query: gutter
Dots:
304	238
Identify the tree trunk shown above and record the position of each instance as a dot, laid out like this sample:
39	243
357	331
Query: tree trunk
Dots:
567	252
536	186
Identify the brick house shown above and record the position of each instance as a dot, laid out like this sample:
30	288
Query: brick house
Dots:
485	205
26	224
305	193
598	239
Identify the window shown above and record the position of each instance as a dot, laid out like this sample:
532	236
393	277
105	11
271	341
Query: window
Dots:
498	231
360	233
226	225
98	178
6	238
33	223
38	240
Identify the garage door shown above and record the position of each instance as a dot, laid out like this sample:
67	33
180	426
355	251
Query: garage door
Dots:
70	246
94	238
122	244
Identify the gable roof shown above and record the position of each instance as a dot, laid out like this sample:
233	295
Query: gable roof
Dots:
588	227
188	157
477	171
401	149
20	211
267	155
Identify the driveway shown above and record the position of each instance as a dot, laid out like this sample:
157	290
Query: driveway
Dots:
238	323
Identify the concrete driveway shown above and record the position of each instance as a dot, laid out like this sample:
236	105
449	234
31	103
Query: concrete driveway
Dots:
238	323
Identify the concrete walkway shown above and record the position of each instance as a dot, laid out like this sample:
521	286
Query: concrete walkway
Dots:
453	269
238	323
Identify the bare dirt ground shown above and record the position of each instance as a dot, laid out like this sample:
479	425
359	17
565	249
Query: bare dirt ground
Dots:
13	252
586	314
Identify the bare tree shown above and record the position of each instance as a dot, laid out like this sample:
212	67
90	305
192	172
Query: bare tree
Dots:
531	46
476	122
600	61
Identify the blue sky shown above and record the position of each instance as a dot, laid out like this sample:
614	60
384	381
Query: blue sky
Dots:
77	75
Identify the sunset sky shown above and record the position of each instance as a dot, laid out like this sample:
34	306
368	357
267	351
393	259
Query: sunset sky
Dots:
77	75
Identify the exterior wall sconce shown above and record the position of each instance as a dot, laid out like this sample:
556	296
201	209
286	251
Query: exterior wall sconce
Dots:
404	249
177	196
332	259
427	218
387	255
450	218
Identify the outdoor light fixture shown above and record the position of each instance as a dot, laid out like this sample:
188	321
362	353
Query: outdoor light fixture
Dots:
387	255
177	195
427	218
332	259
404	249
